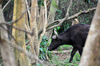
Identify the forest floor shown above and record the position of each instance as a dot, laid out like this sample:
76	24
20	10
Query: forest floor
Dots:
61	58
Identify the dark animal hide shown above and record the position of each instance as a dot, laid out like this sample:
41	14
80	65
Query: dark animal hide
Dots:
75	35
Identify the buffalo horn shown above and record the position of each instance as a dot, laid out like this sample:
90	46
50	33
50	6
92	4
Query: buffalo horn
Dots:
56	35
55	32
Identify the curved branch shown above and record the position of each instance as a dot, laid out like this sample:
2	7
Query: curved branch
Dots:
49	27
81	12
30	55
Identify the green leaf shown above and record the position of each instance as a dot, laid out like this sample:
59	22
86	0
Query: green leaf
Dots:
58	27
28	47
41	49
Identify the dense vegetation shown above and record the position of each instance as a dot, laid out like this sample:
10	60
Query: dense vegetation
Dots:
61	10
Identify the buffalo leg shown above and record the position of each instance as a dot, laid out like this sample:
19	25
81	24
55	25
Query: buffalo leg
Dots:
72	54
80	51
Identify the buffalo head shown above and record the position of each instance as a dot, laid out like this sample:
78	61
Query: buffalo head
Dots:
56	42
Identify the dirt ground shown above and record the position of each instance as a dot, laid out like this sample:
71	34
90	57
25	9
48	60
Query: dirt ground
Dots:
63	55
61	58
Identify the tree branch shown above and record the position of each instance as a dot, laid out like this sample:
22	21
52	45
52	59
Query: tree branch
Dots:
23	30
45	24
31	56
15	21
6	5
49	27
9	33
28	8
61	20
81	12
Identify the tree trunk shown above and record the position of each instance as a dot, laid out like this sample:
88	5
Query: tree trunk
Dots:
6	52
91	53
19	8
33	25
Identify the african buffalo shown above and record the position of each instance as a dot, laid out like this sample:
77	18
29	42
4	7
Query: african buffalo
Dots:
75	35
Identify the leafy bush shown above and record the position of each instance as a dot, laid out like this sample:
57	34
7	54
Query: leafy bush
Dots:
43	49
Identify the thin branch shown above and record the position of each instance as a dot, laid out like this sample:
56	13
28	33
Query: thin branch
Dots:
61	20
30	55
30	40
9	33
23	30
6	5
67	13
22	50
27	5
71	17
45	24
81	12
15	21
27	43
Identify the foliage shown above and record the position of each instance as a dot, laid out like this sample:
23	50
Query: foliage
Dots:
1	62
43	49
65	47
28	47
41	2
58	12
37	64
57	28
87	1
86	20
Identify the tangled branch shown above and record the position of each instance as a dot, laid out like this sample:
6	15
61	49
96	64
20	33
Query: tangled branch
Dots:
50	26
31	56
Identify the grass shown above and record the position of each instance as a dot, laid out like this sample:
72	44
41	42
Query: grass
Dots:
56	61
62	59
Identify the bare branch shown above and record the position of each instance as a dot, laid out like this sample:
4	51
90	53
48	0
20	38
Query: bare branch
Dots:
23	30
9	33
67	13
6	5
31	56
27	43
81	12
15	21
28	8
31	33
45	25
71	17
61	20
